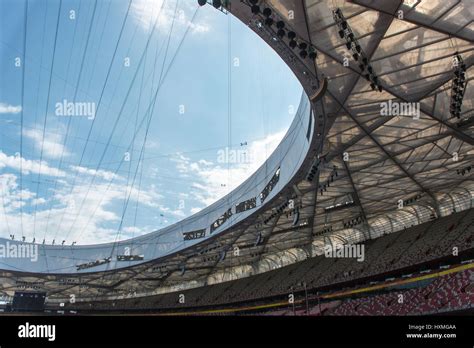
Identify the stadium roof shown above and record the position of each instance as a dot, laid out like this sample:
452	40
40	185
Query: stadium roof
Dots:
411	46
376	173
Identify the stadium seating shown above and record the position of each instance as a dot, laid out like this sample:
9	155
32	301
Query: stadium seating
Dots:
450	292
393	252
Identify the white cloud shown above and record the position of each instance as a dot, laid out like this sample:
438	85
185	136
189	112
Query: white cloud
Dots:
9	109
175	213
38	201
204	162
88	214
103	174
147	12
9	202
182	163
132	229
52	144
195	210
92	212
28	166
214	180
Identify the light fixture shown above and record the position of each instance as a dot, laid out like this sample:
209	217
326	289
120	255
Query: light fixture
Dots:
255	9
458	86
303	45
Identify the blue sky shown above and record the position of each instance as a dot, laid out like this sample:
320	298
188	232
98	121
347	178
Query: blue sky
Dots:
134	163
